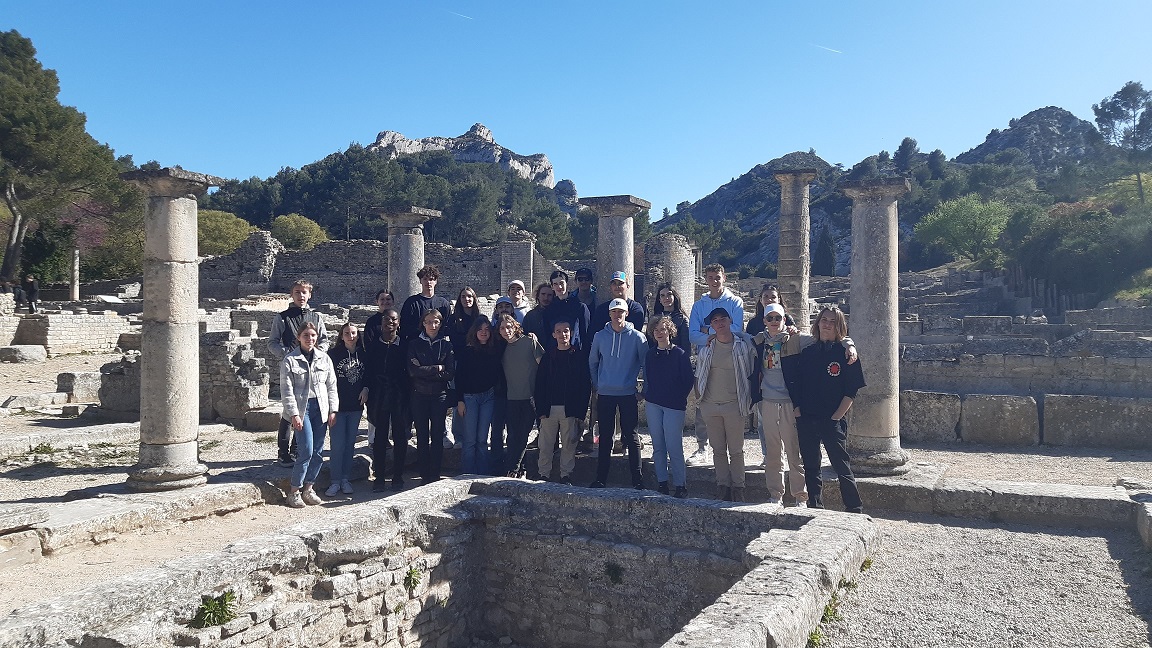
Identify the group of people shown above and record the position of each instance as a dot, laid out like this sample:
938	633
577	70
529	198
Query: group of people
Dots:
25	293
552	362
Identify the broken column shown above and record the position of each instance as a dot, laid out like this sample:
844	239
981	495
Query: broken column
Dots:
405	248
74	286
874	430
170	343
615	242
794	264
671	258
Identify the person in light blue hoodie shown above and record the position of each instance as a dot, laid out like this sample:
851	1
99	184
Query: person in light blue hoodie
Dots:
615	361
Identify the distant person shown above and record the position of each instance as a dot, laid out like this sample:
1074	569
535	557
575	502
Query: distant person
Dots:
31	289
384	301
615	360
389	390
412	312
618	289
561	399
478	372
463	313
519	298
822	388
310	400
585	291
668	303
723	368
349	360
431	366
699	331
521	360
668	380
282	340
534	320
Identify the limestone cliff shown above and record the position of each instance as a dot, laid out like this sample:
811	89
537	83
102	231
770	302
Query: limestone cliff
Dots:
477	145
1048	137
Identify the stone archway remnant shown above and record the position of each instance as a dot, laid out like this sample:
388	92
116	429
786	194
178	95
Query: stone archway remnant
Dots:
170	341
874	432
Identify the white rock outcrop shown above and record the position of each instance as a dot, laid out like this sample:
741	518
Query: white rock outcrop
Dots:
477	145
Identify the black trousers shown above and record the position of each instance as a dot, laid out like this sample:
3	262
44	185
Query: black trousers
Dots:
519	415
607	406
428	412
811	433
392	422
286	440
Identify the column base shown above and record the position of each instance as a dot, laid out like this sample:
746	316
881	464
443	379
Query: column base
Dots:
878	456
165	478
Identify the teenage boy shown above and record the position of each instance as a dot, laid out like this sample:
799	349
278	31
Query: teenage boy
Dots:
519	299
388	392
282	340
561	396
565	307
415	306
618	288
723	367
585	291
699	331
534	320
614	363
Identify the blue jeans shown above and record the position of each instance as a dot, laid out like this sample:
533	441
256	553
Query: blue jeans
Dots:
310	444
473	432
667	428
343	444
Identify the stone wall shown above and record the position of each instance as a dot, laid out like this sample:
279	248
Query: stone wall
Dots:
9	324
233	377
344	272
61	333
247	271
459	267
942	370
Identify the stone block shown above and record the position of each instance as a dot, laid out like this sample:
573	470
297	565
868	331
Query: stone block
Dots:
23	354
1097	421
174	292
982	325
929	416
19	548
263	420
81	386
169	383
999	420
1144	522
17	517
170	230
1062	504
963	498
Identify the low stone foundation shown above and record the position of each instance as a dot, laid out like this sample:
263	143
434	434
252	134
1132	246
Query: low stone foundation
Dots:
62	333
542	565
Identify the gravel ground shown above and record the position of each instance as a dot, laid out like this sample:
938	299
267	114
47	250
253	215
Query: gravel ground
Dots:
964	583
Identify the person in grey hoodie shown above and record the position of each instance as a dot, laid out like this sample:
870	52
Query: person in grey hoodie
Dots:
614	362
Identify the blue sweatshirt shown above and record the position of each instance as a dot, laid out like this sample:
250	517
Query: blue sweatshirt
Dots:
668	377
616	359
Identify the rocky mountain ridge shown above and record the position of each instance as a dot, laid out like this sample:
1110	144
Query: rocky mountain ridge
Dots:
1048	137
477	145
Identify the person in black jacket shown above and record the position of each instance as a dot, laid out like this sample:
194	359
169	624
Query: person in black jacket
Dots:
822	385
412	312
349	360
668	303
388	394
618	288
431	366
561	398
565	307
478	373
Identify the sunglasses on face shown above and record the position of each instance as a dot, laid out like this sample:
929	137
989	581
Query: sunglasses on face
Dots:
774	318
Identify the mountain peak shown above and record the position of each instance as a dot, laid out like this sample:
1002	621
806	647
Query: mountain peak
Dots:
477	145
1047	136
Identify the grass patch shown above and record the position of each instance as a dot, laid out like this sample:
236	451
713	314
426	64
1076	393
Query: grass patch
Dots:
42	448
215	610
866	565
815	639
208	445
266	438
1138	286
831	610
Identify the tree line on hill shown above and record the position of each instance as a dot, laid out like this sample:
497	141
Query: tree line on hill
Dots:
1069	207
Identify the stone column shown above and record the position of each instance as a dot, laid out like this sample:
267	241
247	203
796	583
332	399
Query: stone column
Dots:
874	427
671	258
615	242
405	248
74	292
170	343
794	264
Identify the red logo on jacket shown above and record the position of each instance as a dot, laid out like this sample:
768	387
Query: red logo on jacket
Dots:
834	369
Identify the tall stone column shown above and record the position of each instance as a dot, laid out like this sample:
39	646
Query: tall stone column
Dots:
615	241
794	264
405	248
74	287
874	430
170	344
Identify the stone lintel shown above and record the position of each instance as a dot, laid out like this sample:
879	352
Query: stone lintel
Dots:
171	182
409	217
803	175
616	205
888	187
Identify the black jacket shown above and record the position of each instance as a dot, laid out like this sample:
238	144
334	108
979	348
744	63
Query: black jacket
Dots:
424	357
563	373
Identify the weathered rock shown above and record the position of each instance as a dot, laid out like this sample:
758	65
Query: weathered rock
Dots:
1097	421
929	417
81	386
23	354
999	420
15	517
477	145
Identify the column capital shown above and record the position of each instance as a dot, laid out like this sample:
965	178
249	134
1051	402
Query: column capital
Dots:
877	188
804	176
171	182
616	205
410	217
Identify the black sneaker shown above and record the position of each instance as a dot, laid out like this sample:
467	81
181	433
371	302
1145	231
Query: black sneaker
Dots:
566	480
285	460
662	488
397	485
681	492
726	494
379	485
597	484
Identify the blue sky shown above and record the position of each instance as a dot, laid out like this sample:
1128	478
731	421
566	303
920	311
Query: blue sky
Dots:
663	100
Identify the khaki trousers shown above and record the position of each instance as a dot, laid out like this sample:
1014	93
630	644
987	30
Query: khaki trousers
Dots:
779	422
726	435
557	427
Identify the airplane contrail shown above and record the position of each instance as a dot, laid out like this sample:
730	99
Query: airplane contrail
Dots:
826	48
459	14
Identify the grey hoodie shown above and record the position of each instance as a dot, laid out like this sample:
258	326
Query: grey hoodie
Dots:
615	360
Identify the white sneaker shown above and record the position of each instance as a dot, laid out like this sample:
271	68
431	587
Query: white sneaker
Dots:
801	504
293	500
700	458
333	489
310	497
774	500
346	487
